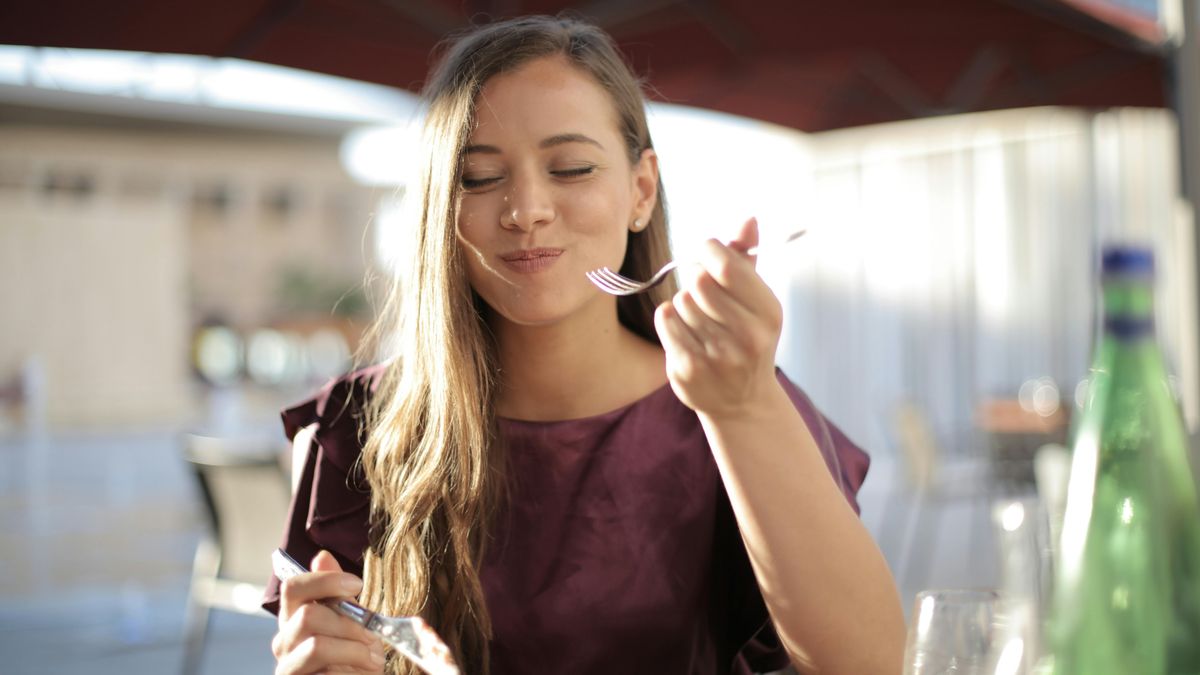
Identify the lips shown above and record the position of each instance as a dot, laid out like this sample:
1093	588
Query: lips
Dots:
531	259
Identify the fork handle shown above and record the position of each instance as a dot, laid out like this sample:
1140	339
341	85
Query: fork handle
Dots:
753	250
286	567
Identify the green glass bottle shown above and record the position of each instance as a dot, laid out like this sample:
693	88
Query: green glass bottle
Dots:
1127	587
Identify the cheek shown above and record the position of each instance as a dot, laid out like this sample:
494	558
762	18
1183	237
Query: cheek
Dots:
471	238
478	229
598	211
472	248
471	217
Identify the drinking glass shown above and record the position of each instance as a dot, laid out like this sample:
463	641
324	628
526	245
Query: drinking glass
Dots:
1023	530
960	632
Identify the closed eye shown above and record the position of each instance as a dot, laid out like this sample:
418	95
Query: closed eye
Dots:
471	183
578	172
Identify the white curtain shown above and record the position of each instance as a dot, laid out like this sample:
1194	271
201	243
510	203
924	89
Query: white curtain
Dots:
949	260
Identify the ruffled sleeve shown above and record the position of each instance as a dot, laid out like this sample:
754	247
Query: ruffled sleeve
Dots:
847	462
762	651
331	506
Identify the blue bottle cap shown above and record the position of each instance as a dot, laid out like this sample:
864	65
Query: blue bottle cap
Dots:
1127	260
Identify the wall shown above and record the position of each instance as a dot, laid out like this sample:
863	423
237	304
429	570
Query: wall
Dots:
113	247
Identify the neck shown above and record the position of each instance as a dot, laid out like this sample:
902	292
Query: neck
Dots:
573	369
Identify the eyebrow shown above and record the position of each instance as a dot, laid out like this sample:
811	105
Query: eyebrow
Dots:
552	141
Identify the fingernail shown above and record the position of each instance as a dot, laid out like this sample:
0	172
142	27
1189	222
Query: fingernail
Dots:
352	584
377	656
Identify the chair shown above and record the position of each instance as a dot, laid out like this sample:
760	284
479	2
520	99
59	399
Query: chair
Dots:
933	479
1016	428
246	493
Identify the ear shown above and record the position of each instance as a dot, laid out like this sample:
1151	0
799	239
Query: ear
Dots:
645	189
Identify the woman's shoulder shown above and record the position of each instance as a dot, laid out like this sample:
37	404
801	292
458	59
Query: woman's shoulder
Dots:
338	410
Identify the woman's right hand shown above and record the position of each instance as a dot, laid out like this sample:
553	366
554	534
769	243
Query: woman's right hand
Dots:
313	638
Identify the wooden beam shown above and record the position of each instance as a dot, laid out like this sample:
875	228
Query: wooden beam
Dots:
613	15
1184	96
895	85
432	17
273	14
729	31
1069	14
1033	86
972	83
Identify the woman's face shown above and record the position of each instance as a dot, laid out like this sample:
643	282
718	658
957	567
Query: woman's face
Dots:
548	192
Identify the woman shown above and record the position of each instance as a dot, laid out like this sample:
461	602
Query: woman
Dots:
561	481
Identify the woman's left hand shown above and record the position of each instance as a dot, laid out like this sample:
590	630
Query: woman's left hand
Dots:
721	329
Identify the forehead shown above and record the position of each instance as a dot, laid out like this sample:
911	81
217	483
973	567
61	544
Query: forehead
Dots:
542	98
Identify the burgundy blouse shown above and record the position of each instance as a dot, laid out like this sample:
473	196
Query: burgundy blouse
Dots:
617	553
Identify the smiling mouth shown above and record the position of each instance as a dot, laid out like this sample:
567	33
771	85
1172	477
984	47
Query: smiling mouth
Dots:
532	259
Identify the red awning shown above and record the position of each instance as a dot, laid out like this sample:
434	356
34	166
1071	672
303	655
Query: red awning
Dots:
804	64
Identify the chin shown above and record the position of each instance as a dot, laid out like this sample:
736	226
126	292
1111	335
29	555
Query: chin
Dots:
543	306
527	311
530	319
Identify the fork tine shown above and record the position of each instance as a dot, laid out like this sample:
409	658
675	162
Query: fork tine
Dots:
627	285
621	284
599	280
620	281
611	282
618	284
615	283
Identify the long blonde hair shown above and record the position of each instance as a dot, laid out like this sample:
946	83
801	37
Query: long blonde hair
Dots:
431	454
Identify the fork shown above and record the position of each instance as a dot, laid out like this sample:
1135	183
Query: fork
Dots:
614	283
409	635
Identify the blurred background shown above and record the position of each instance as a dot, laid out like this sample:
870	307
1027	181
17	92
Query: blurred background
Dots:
194	195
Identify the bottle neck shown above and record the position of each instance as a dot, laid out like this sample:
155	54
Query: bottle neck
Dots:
1128	307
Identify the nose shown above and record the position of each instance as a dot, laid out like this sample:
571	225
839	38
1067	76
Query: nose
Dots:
527	205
